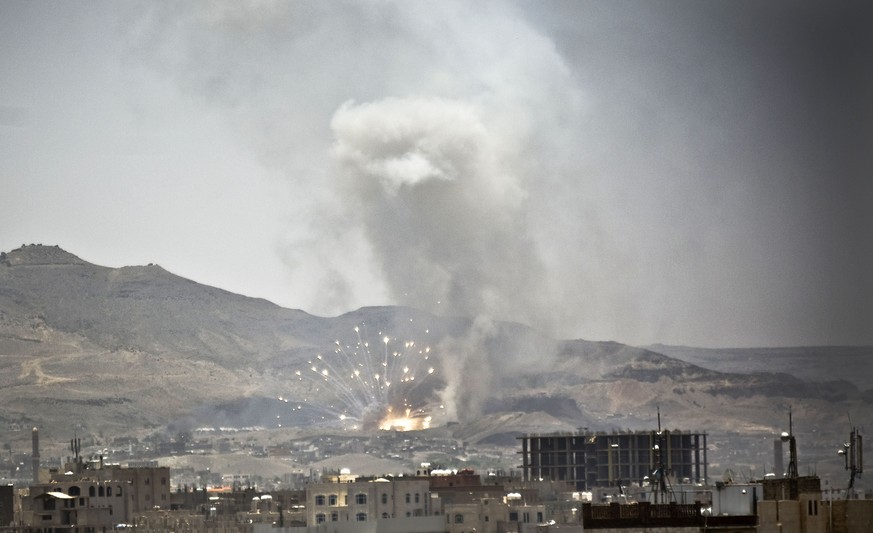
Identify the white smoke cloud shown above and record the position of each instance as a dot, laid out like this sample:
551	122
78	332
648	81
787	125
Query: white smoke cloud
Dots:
440	202
405	142
598	170
467	371
411	138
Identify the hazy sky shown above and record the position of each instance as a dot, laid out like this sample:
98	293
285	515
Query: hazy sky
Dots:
680	172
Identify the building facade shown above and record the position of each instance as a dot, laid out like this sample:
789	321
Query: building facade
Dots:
367	500
84	505
589	460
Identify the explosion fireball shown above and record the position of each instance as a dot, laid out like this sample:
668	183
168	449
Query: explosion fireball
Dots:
382	387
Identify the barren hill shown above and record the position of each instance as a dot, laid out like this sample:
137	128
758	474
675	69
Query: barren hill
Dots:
123	350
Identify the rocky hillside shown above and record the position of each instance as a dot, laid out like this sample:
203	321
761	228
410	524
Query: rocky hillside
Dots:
124	350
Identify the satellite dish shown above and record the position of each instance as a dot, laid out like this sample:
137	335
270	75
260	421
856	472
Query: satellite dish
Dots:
728	476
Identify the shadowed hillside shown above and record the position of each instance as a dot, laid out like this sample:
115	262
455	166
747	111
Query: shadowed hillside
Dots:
123	350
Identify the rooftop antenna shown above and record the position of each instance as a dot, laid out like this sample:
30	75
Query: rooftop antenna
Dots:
792	448
853	455
75	448
659	474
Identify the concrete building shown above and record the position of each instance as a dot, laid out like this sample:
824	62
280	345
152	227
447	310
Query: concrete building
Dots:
601	459
82	504
95	497
149	485
792	504
7	505
354	500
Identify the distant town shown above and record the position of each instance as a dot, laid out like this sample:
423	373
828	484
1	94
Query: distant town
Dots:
658	480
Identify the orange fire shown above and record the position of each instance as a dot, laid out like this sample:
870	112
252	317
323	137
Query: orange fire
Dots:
407	422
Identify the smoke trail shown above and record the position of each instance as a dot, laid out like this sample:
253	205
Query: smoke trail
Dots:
468	372
439	202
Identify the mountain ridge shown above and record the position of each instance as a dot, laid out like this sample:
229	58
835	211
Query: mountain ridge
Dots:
129	349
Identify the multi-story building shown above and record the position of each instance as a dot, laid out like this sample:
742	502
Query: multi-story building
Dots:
7	505
95	497
149	485
792	504
600	459
83	503
358	500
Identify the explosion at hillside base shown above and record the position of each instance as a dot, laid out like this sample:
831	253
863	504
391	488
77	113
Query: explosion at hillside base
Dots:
383	389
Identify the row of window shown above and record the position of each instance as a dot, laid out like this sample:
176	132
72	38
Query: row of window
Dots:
513	517
94	491
321	518
360	499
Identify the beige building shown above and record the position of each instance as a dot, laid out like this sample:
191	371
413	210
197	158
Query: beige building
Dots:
796	505
495	515
150	485
353	500
792	504
84	504
96	498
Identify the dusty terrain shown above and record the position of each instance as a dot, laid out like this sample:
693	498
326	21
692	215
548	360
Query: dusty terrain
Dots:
117	351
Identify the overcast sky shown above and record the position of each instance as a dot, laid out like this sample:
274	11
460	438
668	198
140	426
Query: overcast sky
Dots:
681	172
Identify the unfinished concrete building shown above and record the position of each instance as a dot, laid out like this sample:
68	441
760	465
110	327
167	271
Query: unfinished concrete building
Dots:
589	460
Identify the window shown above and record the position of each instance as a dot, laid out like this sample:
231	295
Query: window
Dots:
319	518
74	491
513	516
361	499
319	499
539	517
118	491
384	515
361	517
101	491
459	518
407	497
331	500
334	516
92	490
526	518
384	497
417	500
109	491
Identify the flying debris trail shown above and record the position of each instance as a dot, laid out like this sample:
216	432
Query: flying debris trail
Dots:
385	384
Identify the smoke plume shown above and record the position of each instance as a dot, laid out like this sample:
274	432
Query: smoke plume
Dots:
441	205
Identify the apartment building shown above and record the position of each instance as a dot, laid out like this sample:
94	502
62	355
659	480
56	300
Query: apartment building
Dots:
88	504
360	500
